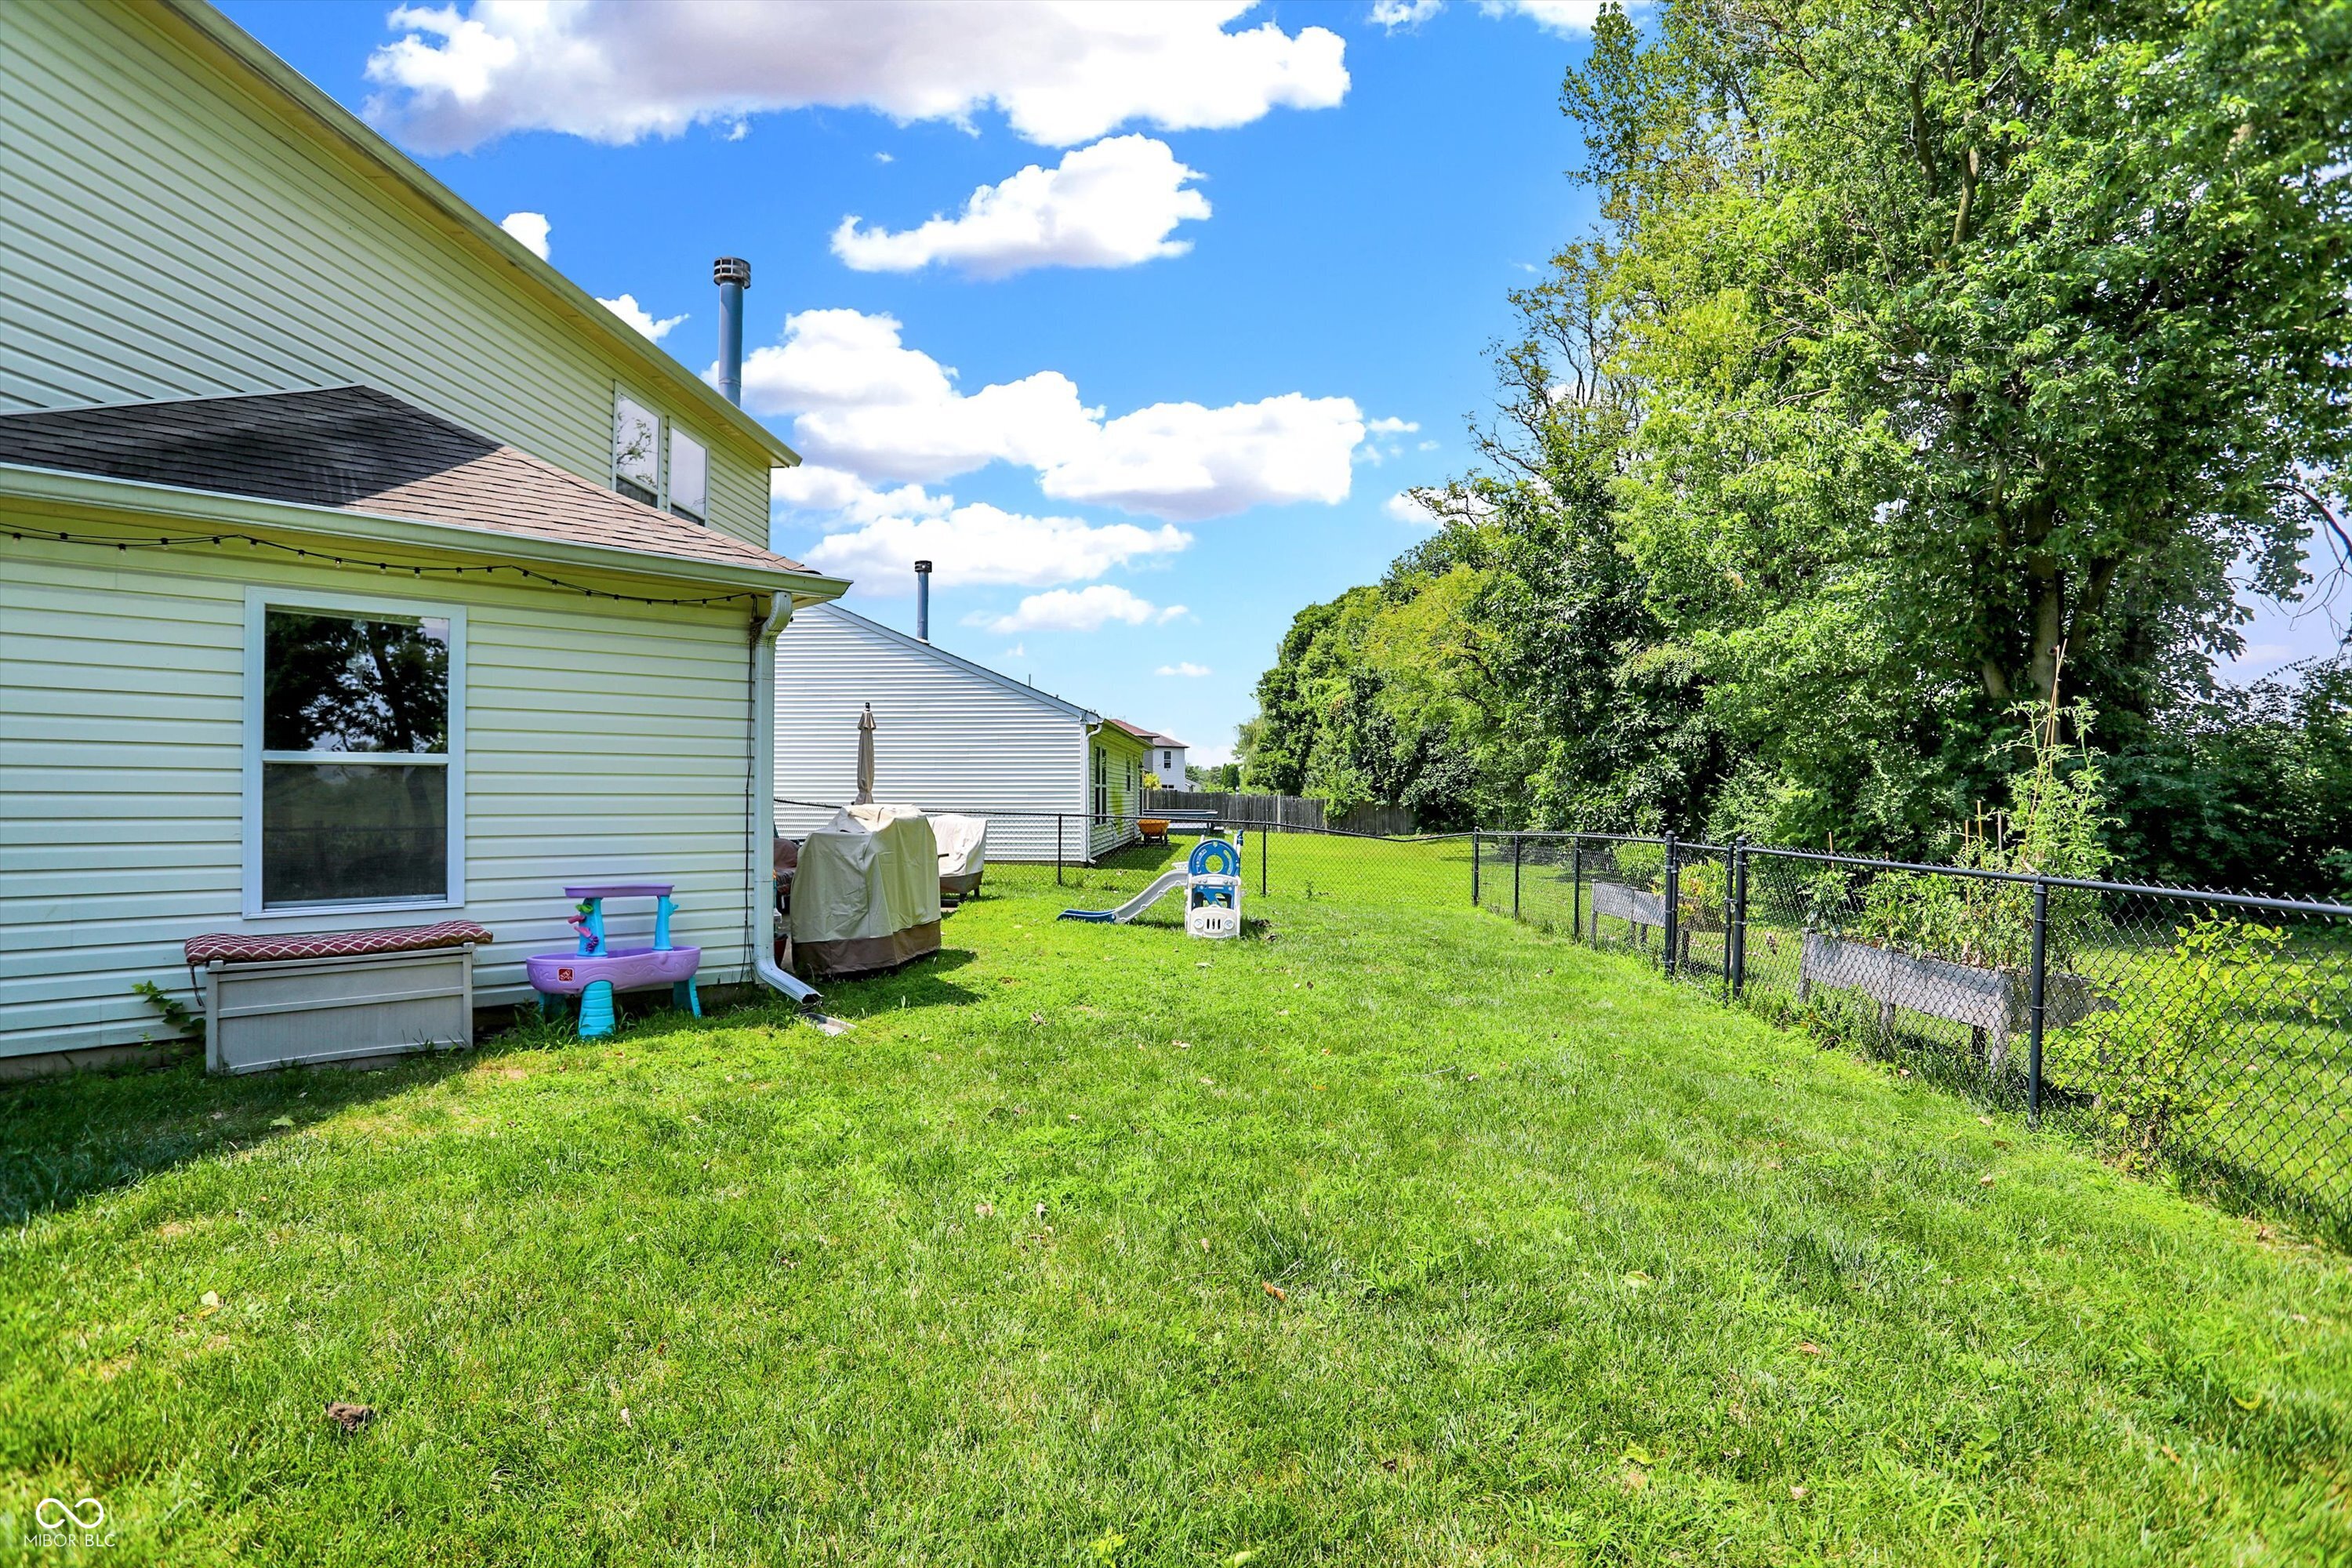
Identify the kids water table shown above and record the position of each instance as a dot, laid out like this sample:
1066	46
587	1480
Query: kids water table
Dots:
593	970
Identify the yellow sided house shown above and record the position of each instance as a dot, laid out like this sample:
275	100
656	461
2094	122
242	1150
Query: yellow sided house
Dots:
357	571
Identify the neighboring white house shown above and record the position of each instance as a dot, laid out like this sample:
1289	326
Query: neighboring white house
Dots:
950	735
1164	759
356	568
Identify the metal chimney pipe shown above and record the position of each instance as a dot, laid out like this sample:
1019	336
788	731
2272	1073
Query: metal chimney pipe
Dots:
923	600
733	275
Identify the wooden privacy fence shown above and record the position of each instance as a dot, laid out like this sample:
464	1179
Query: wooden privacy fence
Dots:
1280	810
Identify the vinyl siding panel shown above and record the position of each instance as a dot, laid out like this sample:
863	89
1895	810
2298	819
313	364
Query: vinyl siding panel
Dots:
163	235
121	803
945	738
1122	792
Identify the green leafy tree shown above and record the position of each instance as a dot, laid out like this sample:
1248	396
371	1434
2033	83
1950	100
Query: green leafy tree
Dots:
1963	333
1918	341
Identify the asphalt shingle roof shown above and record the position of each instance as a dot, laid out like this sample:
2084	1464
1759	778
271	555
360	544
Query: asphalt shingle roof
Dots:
358	449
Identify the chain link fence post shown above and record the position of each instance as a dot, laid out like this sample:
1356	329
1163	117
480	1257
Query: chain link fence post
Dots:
1264	833
1673	910
1735	956
2040	986
1058	819
1576	886
1475	901
1516	839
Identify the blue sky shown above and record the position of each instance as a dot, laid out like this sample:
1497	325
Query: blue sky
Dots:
1137	438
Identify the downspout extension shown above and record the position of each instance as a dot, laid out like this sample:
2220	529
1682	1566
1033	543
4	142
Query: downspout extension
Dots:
759	828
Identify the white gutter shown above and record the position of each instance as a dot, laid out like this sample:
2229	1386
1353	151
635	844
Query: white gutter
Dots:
759	828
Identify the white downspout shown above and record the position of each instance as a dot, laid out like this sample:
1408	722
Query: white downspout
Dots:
759	831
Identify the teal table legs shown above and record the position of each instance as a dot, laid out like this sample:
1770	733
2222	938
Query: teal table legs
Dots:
596	1010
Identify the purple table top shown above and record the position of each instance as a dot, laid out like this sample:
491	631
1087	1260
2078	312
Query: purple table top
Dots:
567	973
618	891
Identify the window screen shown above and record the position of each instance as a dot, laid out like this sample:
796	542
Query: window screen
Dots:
636	450
690	475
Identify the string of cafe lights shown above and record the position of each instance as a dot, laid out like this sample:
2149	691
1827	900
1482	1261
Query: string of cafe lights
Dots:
388	568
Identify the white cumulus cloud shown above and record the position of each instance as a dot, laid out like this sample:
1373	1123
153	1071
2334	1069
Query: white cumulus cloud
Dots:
1395	14
1184	461
1381	441
637	316
1062	71
1565	17
1185	667
1111	205
876	536
1433	506
528	227
863	402
1569	18
1077	610
981	544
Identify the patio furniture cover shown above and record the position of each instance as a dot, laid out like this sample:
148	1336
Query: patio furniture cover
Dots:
963	852
866	893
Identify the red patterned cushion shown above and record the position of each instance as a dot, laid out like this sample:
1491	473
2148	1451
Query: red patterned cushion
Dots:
231	947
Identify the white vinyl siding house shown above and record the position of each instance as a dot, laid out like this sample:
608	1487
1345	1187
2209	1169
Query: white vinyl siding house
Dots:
1165	759
123	808
172	232
950	735
258	364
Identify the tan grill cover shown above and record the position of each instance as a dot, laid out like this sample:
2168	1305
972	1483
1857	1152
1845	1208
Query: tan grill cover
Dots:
867	894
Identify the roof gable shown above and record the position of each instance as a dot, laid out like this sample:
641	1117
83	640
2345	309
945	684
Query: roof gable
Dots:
917	647
198	26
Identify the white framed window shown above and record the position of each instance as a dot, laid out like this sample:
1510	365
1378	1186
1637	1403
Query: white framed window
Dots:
689	476
1102	782
354	753
636	450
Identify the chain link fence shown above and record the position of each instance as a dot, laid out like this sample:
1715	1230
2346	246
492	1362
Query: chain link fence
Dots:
1119	854
2210	1030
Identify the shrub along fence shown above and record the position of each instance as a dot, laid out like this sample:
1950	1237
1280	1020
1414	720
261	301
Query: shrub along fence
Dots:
2212	1029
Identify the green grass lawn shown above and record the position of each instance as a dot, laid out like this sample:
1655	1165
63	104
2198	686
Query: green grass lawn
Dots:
1571	1265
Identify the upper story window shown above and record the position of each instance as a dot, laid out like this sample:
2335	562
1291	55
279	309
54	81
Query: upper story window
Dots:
353	747
690	475
636	450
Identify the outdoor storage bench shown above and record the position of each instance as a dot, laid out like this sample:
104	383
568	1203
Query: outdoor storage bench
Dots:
327	996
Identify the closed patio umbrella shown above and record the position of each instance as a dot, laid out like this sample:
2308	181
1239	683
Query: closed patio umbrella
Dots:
865	757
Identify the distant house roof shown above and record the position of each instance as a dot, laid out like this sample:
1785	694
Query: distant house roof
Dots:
932	651
1137	730
1171	742
357	449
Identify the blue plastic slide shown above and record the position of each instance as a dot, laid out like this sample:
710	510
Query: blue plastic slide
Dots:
1165	884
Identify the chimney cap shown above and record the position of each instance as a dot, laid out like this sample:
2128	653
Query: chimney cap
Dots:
923	566
732	269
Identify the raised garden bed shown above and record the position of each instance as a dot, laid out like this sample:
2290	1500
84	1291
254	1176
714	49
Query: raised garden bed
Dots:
1995	1004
